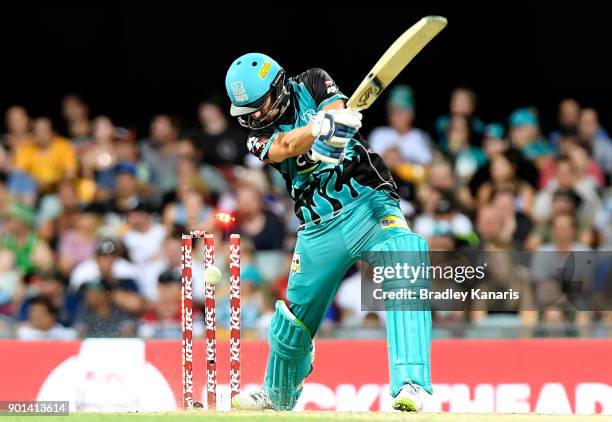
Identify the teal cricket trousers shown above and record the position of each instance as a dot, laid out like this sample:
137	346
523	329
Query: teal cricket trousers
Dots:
325	252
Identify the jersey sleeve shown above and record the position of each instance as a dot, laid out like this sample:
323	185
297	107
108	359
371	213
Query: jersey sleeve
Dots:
259	143
322	87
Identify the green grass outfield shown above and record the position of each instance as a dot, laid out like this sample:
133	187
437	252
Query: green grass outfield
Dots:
309	416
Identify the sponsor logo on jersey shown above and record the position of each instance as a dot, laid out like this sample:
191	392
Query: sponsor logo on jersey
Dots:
256	145
252	141
265	69
305	163
239	92
332	88
393	221
296	266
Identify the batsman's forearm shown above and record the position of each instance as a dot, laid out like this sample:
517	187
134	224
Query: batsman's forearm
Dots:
291	144
299	140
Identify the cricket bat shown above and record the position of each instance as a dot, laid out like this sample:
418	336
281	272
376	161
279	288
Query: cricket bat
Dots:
395	59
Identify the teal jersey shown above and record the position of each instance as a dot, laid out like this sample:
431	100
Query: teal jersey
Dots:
320	190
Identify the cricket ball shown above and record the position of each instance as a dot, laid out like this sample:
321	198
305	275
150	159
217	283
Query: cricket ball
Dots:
212	275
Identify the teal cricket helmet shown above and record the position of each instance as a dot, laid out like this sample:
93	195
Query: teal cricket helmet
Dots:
250	81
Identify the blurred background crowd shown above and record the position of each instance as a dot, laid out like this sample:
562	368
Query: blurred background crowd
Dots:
91	213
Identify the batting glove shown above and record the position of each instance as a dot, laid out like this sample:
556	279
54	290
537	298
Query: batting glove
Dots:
332	130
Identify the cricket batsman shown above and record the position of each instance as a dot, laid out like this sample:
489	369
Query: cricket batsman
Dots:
347	203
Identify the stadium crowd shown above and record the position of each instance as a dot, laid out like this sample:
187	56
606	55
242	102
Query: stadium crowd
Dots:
91	214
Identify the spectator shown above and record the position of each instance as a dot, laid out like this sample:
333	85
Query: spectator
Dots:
504	174
163	319
406	176
42	323
100	316
10	282
580	154
494	146
220	143
261	226
490	226
549	266
445	218
126	148
564	144
5	197
353	321
18	132
494	143
250	300
18	125
57	211
555	323
266	313
348	299
463	102
4	193
569	115
443	240
107	264
128	191
516	225
52	285
601	291
78	125
78	244
99	159
160	154
5	163
19	237
441	179
125	294
48	158
505	272
144	235
191	211
169	259
372	326
468	158
189	178
413	143
525	135
568	177
206	178
596	138
564	201
604	219
499	225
